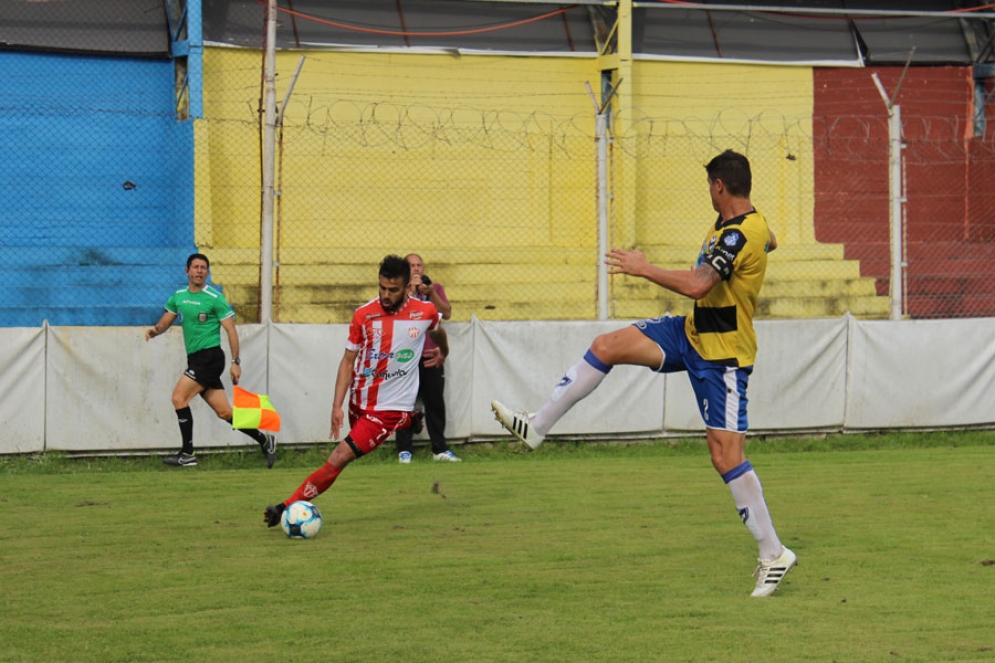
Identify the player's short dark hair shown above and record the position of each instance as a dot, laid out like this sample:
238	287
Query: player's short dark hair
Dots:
393	267
198	256
734	171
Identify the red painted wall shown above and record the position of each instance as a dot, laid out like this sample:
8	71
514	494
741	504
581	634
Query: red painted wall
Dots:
950	215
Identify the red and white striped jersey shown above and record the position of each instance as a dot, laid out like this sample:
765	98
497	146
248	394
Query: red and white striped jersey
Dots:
389	348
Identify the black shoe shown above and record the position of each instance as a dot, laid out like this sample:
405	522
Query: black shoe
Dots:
181	459
417	422
269	449
272	514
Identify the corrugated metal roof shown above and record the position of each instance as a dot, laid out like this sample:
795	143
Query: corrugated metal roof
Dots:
127	27
775	31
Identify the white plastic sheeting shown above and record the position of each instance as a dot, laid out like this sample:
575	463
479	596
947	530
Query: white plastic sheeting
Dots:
921	374
110	390
104	389
519	364
22	390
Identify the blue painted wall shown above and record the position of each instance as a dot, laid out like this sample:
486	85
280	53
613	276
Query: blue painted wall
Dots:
97	184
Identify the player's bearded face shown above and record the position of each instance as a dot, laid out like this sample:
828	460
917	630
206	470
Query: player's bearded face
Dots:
392	293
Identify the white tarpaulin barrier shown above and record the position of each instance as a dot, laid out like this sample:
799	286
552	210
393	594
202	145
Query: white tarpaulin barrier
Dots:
22	390
921	373
519	364
104	389
304	360
110	390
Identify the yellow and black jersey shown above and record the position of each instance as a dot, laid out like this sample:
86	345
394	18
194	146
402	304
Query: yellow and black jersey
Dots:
721	328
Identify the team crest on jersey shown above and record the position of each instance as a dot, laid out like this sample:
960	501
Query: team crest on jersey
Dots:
377	333
413	332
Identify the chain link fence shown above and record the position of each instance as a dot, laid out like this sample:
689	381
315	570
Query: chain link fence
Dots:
95	225
499	197
946	238
503	207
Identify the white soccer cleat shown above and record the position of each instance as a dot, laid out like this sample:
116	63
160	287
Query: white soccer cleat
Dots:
770	572
518	424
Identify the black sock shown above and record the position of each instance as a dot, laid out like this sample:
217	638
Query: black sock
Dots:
185	418
254	433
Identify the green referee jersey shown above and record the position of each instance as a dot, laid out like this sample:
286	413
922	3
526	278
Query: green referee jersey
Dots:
201	314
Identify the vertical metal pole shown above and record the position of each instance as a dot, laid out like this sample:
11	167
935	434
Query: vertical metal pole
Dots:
979	107
269	170
897	198
601	138
896	195
195	58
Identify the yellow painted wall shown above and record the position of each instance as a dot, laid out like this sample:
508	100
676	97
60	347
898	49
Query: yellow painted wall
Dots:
227	150
445	149
685	113
376	140
487	166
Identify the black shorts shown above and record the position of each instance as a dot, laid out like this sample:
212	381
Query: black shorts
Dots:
206	366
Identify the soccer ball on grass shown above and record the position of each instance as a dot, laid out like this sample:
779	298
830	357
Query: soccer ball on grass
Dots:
301	520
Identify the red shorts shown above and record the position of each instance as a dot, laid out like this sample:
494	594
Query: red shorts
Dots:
369	428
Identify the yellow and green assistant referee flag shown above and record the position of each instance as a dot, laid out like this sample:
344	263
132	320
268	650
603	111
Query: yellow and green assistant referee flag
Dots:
254	411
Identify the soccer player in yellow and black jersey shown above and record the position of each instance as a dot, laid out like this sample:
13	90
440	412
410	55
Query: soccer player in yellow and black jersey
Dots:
716	346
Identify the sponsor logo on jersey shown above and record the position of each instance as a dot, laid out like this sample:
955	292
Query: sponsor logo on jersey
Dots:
417	315
731	239
402	356
384	375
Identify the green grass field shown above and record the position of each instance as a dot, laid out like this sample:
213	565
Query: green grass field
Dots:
578	552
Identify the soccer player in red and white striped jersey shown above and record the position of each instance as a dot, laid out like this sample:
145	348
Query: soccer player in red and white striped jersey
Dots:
380	370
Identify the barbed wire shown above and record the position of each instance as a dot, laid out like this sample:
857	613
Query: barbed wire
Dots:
638	133
414	126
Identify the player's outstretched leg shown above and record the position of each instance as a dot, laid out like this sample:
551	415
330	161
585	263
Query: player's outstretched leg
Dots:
317	482
576	384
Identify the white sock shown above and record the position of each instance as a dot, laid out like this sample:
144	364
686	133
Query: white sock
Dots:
749	496
580	380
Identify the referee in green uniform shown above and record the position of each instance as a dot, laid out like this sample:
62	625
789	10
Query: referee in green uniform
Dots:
203	312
